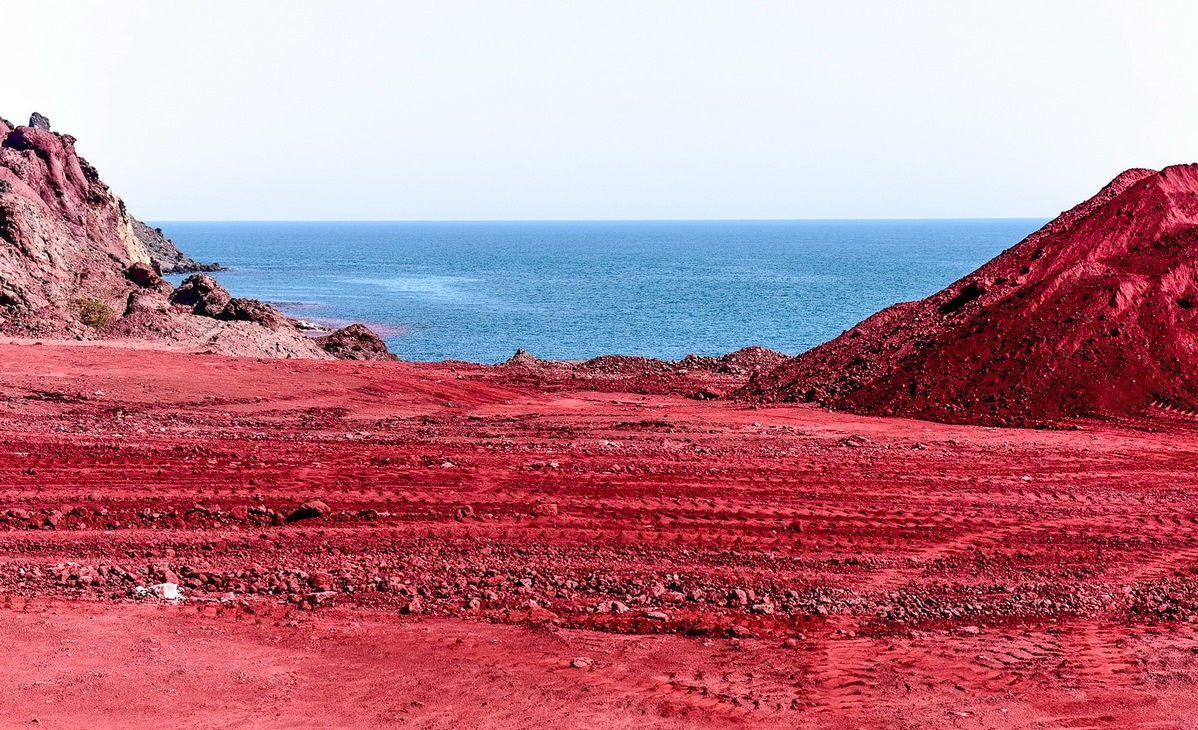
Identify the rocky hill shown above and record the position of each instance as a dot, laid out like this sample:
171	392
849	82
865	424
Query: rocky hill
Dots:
75	264
169	259
1095	314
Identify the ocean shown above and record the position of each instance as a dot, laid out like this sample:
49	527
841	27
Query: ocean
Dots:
476	291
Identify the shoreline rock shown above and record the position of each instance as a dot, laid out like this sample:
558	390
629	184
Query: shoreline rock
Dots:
76	265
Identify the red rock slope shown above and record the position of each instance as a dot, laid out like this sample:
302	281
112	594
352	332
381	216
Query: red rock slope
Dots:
1095	314
74	265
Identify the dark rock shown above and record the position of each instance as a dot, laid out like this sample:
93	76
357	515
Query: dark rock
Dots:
253	310
37	121
309	510
165	254
355	342
202	295
523	359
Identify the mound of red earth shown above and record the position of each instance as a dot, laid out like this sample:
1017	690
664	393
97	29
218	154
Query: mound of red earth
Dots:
697	376
1095	314
75	264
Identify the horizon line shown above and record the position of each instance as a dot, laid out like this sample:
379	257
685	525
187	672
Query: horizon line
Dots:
592	220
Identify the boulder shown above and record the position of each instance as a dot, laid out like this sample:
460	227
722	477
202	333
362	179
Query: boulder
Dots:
355	342
254	310
143	275
202	295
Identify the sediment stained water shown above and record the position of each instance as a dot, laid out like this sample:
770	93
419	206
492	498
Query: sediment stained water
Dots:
573	290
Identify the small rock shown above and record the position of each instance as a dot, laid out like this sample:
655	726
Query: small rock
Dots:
581	662
544	509
309	510
321	581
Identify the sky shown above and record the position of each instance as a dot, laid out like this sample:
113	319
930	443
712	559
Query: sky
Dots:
448	110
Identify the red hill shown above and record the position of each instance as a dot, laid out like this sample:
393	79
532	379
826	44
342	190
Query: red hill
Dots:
1095	314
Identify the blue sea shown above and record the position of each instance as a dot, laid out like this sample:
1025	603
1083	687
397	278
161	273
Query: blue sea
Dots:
573	290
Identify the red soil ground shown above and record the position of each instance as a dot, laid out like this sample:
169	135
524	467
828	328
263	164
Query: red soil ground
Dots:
492	553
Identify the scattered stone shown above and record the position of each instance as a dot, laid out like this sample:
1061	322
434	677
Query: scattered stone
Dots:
581	662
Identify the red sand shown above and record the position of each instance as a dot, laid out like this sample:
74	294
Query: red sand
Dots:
770	567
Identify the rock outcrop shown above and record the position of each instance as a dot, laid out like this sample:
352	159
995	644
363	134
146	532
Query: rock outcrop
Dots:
1095	314
75	264
166	255
355	342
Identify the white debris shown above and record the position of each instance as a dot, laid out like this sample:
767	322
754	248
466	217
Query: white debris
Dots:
167	591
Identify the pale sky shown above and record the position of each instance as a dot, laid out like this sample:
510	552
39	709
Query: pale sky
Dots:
607	109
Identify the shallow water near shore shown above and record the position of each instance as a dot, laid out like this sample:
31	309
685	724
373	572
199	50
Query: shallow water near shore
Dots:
572	290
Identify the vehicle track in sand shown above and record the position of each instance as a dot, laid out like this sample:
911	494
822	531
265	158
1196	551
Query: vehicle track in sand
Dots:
918	574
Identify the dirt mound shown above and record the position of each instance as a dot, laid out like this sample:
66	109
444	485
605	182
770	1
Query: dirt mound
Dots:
702	377
74	264
1095	314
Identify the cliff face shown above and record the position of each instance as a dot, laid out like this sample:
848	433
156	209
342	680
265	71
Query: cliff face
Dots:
75	264
1095	314
68	237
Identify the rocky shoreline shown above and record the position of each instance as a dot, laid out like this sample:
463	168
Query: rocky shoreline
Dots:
78	266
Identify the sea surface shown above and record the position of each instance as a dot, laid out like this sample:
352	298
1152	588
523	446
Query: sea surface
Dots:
573	290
